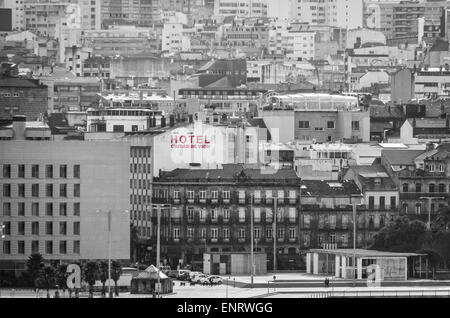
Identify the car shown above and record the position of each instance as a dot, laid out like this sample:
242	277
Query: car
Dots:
172	274
215	280
192	275
199	279
183	275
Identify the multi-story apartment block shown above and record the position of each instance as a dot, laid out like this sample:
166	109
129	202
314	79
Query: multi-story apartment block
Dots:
432	82
55	199
421	176
17	13
247	32
45	17
142	12
241	8
210	212
345	14
22	97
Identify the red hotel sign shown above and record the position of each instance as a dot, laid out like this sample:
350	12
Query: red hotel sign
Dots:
190	141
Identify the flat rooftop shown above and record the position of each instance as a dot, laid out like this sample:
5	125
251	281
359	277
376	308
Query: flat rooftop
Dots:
363	253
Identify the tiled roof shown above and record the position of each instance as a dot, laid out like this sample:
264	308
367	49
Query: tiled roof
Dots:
329	188
401	157
367	175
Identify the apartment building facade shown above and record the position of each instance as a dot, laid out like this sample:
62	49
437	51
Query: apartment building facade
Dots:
55	200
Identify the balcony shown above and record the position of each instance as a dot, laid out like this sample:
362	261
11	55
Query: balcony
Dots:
241	240
215	220
202	200
202	220
241	201
241	220
214	201
281	201
257	201
226	201
418	195
214	240
280	239
269	201
292	240
292	201
226	220
226	240
257	220
269	220
190	200
190	220
176	201
176	240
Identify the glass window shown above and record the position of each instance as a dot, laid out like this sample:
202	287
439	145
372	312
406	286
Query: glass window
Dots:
63	209
62	247
76	247
21	247
21	171
7	190
63	171
6	247
34	228
49	228
21	209
63	228
21	228
35	171
49	171
49	247
76	209
34	247
35	209
49	190
6	171
76	228
76	171
63	190
6	209
76	190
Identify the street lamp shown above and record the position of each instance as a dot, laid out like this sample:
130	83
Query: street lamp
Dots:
109	213
158	239
429	208
251	238
354	205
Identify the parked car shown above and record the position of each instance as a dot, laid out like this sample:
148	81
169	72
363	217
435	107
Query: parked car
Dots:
199	279
172	274
183	274
193	275
215	280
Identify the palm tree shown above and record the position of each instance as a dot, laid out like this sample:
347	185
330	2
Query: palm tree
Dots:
116	272
61	277
90	275
103	274
35	263
46	279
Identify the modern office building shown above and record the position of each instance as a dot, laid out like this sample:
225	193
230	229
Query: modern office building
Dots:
241	8
56	196
17	13
141	12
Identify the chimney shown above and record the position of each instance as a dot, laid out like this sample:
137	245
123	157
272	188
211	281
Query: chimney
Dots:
19	124
429	146
163	122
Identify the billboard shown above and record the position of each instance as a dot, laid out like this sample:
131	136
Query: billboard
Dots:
5	20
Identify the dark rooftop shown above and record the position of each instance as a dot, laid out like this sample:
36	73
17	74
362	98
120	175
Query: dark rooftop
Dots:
401	157
20	82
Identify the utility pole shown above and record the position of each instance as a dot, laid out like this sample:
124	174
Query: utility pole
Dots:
158	245
251	243
109	254
354	243
429	208
274	234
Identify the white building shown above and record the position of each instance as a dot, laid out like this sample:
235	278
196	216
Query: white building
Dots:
241	8
17	12
174	38
432	82
347	14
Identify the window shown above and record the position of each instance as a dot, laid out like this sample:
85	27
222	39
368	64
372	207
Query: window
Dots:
226	214
442	188
34	247
6	171
63	228
330	124
21	171
226	195
35	209
202	214
214	214
21	190
202	195
292	233
34	228
382	203
6	247
393	203
49	190
269	232
431	188
49	209
63	190
176	195
48	228
63	171
21	247
303	124
280	233
190	214
63	209
62	247
35	190
21	209
202	233
35	171
355	125
418	187
405	187
76	247
7	228
241	214
76	209
49	171
49	247
190	233
214	233
7	190
21	228
226	233
242	233
371	202
76	190
6	209
76	171
190	195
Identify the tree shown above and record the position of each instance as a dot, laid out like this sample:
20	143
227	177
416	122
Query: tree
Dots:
103	275
46	279
61	276
90	275
35	263
402	235
116	272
